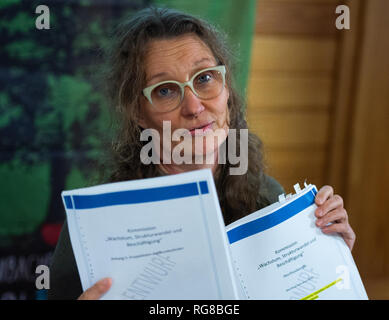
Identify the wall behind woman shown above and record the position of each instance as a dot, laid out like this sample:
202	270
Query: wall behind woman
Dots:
318	97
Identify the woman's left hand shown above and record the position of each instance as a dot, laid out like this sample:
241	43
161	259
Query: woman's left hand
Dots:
330	210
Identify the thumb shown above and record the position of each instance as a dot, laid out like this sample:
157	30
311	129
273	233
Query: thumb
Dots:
97	290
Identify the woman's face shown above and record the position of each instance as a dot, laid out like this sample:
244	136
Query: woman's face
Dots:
179	59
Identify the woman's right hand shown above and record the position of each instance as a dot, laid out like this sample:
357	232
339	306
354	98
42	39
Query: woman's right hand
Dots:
97	290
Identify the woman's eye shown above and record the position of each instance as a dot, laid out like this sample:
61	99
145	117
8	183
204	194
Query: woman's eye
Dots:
204	78
164	92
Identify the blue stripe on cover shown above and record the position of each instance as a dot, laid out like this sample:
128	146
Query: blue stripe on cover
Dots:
204	187
133	196
261	224
68	202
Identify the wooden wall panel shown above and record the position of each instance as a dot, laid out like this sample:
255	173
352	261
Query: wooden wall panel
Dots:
289	163
290	87
273	53
346	75
291	129
318	98
311	93
306	1
302	18
368	165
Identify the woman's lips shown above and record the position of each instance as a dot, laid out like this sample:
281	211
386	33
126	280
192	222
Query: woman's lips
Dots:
201	129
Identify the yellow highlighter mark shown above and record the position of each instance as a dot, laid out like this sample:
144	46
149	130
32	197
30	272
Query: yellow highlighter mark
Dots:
315	295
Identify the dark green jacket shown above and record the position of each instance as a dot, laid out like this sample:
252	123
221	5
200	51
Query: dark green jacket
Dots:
64	278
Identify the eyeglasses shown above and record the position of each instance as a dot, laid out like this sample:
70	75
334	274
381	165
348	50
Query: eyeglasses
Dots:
167	95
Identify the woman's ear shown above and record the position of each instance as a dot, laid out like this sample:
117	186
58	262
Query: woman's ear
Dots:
141	121
228	94
228	117
142	118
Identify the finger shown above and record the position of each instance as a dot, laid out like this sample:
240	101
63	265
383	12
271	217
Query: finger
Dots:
337	215
342	228
332	203
97	290
324	193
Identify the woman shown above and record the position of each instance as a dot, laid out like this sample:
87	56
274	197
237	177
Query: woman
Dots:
168	66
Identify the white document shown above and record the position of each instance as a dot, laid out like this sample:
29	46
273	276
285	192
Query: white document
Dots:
157	238
279	253
164	238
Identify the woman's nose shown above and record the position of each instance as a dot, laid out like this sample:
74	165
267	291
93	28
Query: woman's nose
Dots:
191	104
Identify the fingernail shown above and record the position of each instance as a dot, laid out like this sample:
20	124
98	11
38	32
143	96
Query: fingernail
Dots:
106	282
